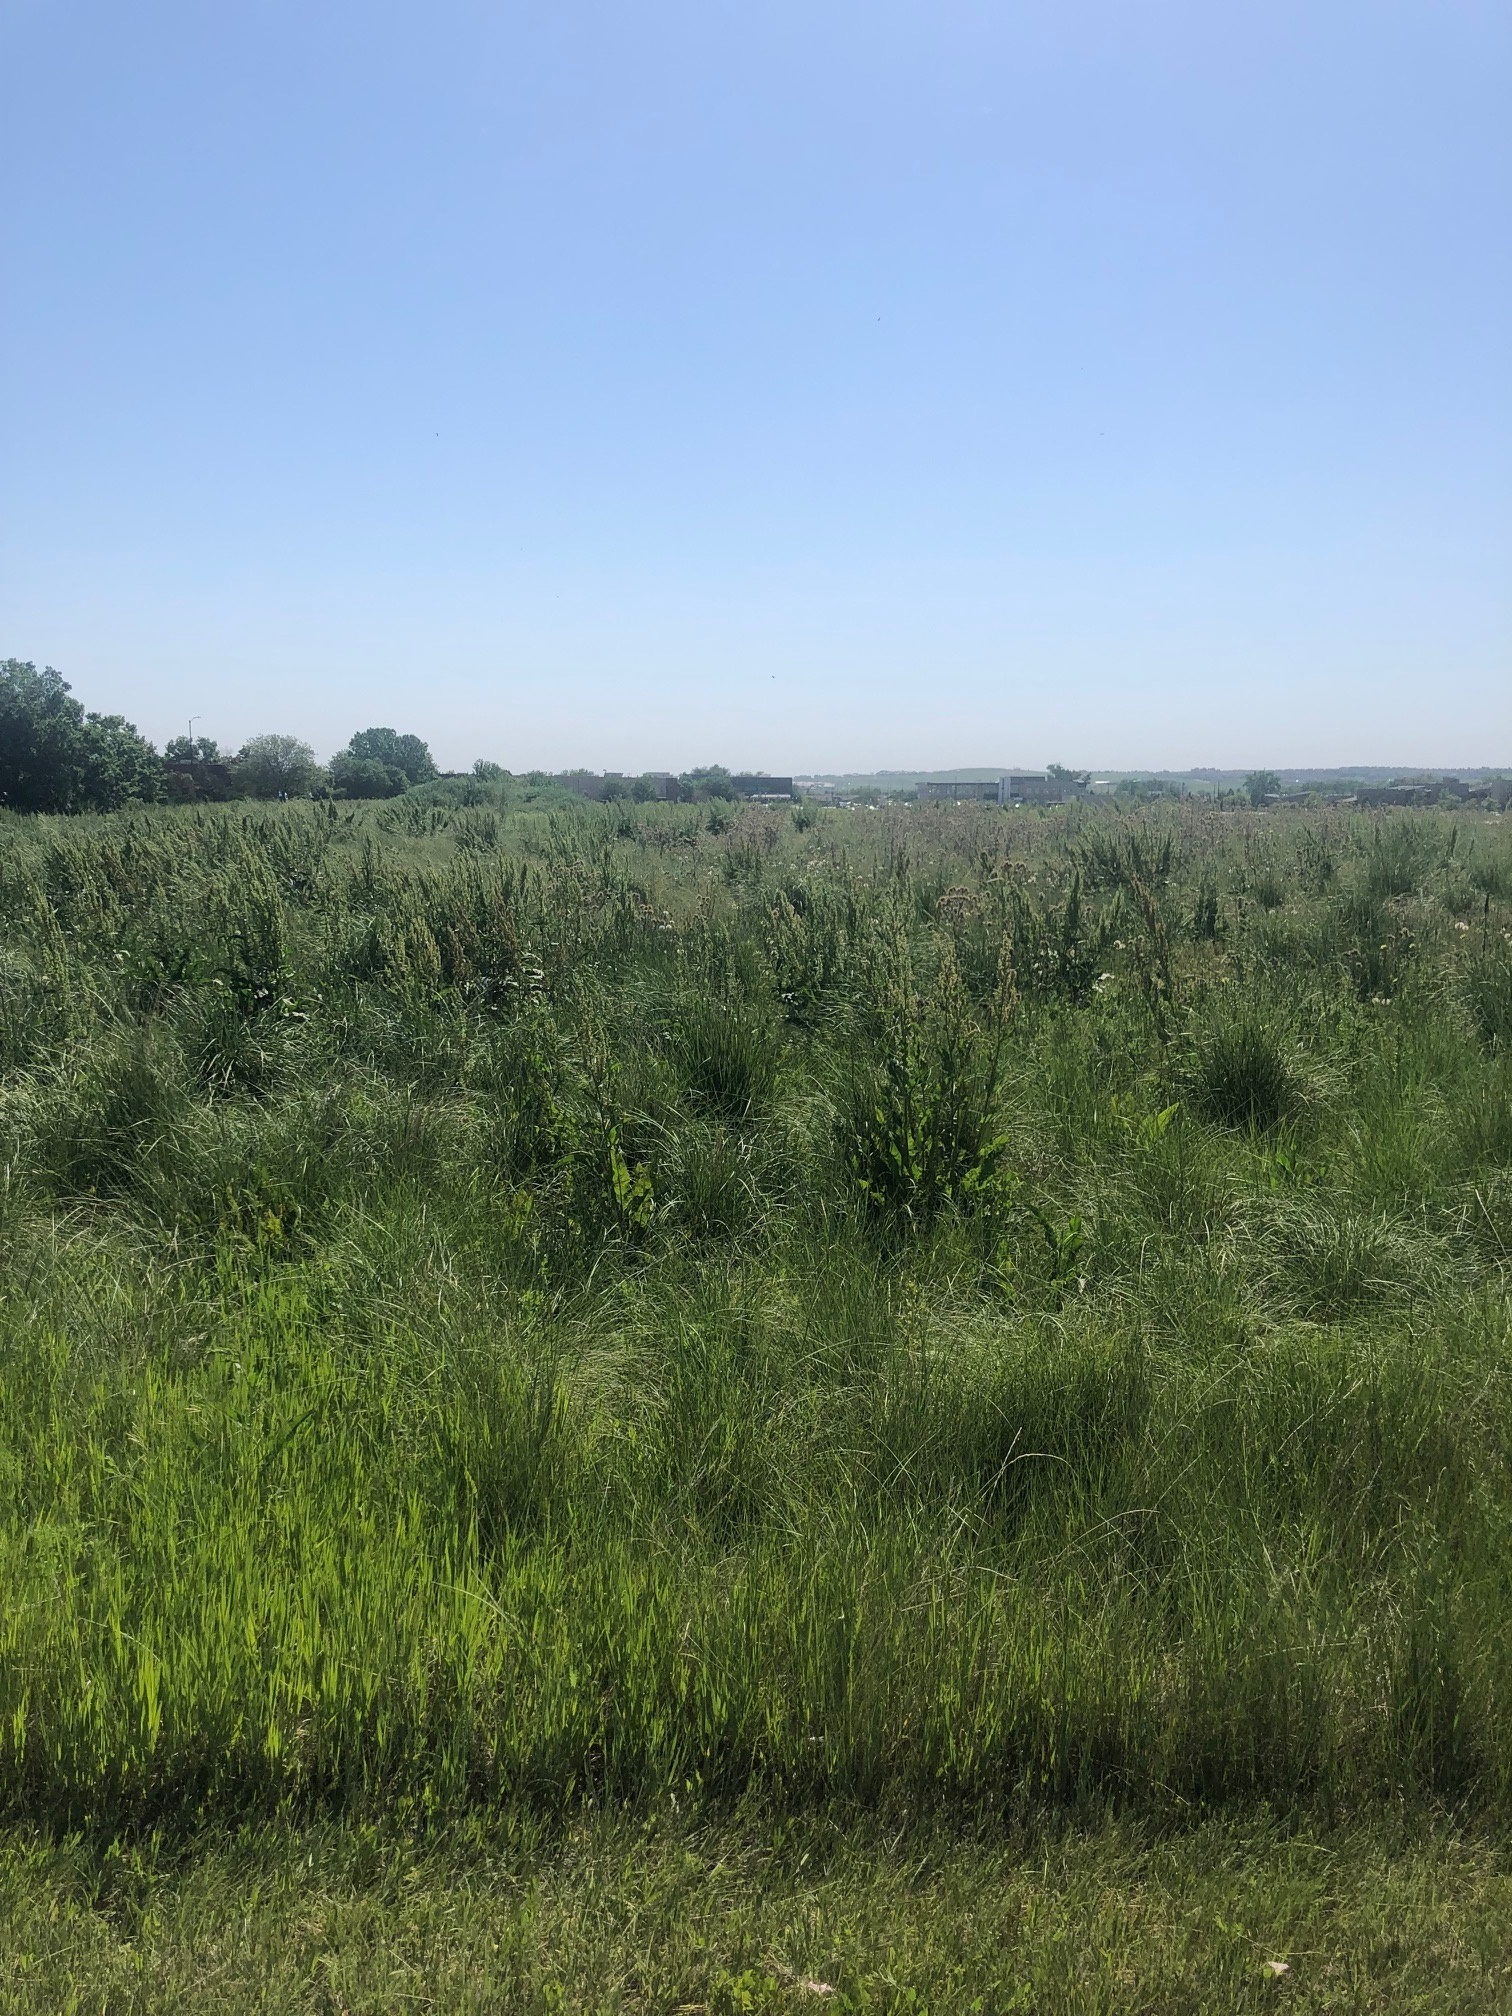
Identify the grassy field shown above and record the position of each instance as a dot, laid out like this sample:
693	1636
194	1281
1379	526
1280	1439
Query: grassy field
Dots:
653	1407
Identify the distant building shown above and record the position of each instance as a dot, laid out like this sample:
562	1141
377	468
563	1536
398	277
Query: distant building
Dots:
761	786
615	784
1035	787
199	779
1032	787
1412	791
959	790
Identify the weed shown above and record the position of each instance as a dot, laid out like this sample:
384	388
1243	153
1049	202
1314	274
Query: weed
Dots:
921	1129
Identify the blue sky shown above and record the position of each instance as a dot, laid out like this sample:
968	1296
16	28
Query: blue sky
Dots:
803	386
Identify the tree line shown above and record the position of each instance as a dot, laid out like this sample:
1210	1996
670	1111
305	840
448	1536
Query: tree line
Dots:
57	757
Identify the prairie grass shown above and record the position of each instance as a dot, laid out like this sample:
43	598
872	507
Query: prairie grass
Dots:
930	1312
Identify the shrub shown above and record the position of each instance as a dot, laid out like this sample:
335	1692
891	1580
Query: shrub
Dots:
365	777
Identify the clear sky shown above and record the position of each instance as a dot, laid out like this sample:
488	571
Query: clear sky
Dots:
796	384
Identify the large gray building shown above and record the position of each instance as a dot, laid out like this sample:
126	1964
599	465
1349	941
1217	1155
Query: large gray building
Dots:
760	786
1019	787
957	790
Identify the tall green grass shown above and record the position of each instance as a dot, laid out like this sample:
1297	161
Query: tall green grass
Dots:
940	1305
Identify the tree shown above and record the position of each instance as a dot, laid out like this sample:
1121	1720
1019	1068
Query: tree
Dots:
120	766
365	777
191	749
1262	784
1077	780
487	772
711	782
405	753
270	764
41	733
56	758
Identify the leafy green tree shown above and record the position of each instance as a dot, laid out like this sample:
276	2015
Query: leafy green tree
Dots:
270	764
365	777
487	772
41	734
56	758
191	749
713	781
120	766
405	753
1073	779
1261	784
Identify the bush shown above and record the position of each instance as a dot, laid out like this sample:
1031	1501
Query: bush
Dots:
365	777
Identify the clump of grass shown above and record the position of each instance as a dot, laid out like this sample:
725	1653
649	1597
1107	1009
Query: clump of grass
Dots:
1268	887
710	1179
1244	1075
1207	916
729	1057
1488	995
1377	947
113	1108
1397	858
1333	1261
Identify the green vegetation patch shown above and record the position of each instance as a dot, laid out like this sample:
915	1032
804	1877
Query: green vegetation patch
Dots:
503	1310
